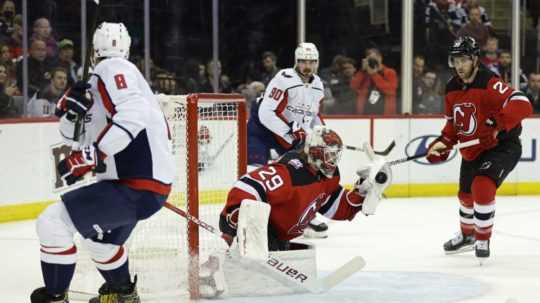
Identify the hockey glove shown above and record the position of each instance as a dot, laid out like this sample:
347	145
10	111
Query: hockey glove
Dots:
74	167
488	135
74	102
439	150
298	134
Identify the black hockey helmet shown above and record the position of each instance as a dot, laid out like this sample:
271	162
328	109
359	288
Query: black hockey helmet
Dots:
463	46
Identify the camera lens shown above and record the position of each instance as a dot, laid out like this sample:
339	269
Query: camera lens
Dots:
372	63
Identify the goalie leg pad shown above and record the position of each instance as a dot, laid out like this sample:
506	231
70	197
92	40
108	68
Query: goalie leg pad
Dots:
55	232
252	232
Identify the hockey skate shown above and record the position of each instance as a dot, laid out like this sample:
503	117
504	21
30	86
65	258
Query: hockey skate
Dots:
316	229
212	278
40	295
123	294
481	250
459	244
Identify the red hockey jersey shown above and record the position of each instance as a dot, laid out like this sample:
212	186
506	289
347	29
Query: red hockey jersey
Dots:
295	194
468	106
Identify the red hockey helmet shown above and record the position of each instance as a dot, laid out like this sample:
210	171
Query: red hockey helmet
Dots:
323	149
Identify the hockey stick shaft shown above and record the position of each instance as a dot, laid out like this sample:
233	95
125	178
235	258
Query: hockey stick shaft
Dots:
384	152
421	155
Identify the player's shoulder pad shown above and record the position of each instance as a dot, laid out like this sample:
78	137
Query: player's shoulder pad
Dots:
298	169
317	83
287	73
113	65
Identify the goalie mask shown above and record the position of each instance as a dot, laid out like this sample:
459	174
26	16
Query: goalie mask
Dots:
323	149
111	40
307	52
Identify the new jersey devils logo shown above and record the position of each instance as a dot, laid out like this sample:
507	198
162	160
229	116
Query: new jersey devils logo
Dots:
464	118
308	215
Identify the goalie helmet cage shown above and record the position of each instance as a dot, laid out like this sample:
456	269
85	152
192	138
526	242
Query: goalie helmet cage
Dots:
209	144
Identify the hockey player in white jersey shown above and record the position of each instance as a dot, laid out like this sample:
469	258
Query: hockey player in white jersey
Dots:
125	141
289	107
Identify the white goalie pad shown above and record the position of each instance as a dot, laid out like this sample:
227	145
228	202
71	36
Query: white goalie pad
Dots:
252	231
376	165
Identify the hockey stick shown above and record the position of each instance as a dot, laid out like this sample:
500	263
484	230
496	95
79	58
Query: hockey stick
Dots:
306	282
421	155
79	120
384	152
221	148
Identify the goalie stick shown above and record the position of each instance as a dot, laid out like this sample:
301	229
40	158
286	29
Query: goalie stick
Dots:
308	284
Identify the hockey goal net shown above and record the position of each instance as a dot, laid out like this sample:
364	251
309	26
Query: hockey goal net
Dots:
209	145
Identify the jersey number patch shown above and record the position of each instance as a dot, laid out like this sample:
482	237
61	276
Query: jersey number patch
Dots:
120	81
273	181
276	93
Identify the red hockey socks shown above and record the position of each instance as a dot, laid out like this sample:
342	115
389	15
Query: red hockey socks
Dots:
483	192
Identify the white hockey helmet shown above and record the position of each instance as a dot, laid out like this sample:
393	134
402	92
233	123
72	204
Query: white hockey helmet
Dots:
323	148
111	40
306	51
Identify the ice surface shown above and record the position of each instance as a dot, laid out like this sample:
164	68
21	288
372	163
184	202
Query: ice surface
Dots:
402	245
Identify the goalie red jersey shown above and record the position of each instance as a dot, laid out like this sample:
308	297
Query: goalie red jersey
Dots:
471	109
295	194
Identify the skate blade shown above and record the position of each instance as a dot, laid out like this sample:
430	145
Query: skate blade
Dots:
459	251
482	261
311	234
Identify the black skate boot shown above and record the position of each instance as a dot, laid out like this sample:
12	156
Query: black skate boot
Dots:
459	244
122	294
316	229
40	295
481	250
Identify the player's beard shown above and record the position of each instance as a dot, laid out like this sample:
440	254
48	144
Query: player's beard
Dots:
306	72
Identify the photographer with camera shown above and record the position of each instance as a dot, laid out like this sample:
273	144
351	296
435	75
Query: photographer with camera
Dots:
376	85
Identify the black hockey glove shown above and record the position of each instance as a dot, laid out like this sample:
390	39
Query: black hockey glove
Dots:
74	102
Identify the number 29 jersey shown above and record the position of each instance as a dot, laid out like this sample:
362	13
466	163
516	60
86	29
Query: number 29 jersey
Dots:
295	195
469	105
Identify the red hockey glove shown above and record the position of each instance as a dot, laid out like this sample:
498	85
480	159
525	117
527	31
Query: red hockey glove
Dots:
77	164
439	150
298	133
488	135
74	102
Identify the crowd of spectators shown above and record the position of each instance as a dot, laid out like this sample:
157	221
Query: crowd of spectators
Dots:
353	84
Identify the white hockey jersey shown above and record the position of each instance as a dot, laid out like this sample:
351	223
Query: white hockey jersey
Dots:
286	99
128	125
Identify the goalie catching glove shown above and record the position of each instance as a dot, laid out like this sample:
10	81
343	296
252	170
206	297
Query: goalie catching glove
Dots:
74	167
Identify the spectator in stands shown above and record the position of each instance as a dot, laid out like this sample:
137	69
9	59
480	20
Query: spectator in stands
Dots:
165	83
224	83
7	60
419	64
376	85
15	40
42	31
460	13
7	90
439	31
505	68
7	15
475	28
533	91
490	55
269	68
57	86
252	91
344	97
427	98
65	60
38	68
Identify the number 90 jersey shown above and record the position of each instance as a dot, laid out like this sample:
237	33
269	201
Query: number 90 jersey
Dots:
295	195
287	99
469	106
